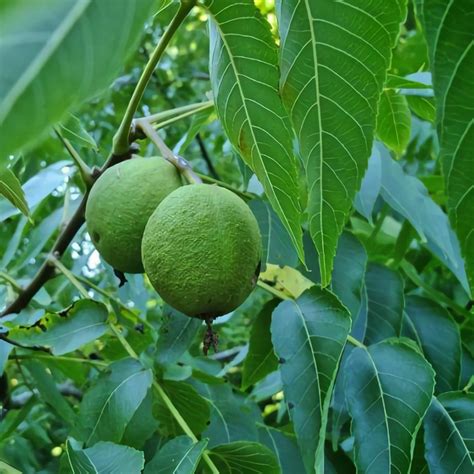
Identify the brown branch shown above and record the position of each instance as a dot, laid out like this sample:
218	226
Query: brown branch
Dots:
206	157
47	270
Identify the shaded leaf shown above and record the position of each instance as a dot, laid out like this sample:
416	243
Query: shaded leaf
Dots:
261	359
65	332
449	433
5	350
438	335
309	335
179	456
244	77
31	99
72	130
424	107
388	388
108	407
334	58
385	303
394	121
450	37
10	187
244	457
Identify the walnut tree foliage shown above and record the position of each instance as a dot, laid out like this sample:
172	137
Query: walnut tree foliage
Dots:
348	129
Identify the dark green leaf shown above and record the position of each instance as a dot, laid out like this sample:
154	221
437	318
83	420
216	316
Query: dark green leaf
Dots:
438	335
244	457
309	335
67	32
260	360
11	188
398	82
389	388
65	332
179	456
450	36
424	107
394	121
334	58
108	407
244	76
449	433
385	303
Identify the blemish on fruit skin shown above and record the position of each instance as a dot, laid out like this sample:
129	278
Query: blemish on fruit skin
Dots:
281	360
290	405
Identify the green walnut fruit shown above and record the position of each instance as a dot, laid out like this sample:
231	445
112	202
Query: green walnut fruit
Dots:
120	203
201	250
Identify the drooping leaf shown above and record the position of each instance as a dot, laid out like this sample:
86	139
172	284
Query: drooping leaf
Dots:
11	188
385	303
179	456
244	457
5	350
261	359
73	130
388	387
103	457
334	58
450	37
66	331
277	246
449	433
38	39
244	77
199	120
309	335
110	404
438	335
284	447
176	335
394	121
424	107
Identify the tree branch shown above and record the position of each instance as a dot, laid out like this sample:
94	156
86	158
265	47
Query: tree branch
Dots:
206	157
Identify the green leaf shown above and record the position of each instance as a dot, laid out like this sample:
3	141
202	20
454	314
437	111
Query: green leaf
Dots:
388	388
385	303
408	196
103	457
6	469
449	433
394	121
46	386
38	89
66	331
450	38
397	82
233	417
277	246
108	407
176	335
284	447
179	456
11	188
244	77
73	130
260	360
424	107
244	457
309	335
334	58
438	336
5	350
191	405
200	118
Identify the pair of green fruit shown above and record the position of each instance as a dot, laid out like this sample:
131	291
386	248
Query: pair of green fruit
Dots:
199	244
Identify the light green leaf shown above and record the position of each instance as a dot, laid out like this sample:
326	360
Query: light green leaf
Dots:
334	58
200	118
244	76
449	434
244	457
260	360
424	107
57	58
5	350
7	469
398	82
11	188
73	130
438	336
65	332
178	456
385	303
309	335
102	458
388	388
108	407
394	121
450	37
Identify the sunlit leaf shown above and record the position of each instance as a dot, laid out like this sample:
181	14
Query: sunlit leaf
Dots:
10	188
